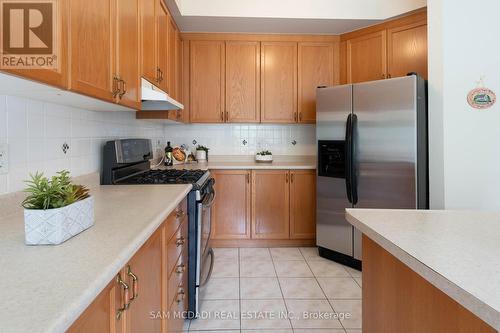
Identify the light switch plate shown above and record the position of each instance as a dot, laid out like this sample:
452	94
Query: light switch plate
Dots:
4	158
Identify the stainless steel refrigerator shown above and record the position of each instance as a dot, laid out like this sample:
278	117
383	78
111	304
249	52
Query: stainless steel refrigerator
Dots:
372	153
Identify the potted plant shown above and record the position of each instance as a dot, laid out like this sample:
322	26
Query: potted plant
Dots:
55	209
264	156
201	153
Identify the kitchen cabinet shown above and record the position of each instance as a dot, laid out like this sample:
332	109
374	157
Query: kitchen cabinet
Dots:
231	210
315	68
91	29
242	81
278	82
206	80
162	67
148	28
302	204
270	204
172	59
127	53
143	274
58	76
407	50
100	316
366	58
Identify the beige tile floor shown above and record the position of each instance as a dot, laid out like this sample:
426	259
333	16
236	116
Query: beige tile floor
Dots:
279	290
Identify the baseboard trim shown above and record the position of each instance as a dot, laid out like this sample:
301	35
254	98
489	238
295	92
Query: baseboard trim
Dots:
262	242
340	258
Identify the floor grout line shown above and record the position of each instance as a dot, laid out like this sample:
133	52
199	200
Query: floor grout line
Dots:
281	290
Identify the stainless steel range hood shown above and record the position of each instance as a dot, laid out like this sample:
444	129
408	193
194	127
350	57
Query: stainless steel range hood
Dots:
155	99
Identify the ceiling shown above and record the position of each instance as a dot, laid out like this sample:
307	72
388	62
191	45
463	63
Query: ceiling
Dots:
297	16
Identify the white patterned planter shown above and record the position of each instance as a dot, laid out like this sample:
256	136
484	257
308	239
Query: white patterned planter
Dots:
55	226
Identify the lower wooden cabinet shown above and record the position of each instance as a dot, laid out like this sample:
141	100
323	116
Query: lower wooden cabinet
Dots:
270	204
139	299
264	205
302	204
231	210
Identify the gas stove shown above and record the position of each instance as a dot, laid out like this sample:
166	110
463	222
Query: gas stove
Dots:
169	176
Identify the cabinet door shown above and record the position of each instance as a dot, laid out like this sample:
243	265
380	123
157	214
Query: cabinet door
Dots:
270	204
231	210
278	82
302	204
59	76
100	316
407	50
207	82
366	58
127	51
148	40
242	81
91	36
172	52
146	265
163	50
315	69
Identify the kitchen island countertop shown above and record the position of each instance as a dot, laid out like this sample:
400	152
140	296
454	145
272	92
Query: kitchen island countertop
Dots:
456	251
46	288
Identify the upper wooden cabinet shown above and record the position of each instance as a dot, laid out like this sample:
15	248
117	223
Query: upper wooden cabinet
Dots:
407	50
59	76
231	210
315	66
206	80
302	204
242	81
143	274
172	59
91	48
127	54
278	82
162	64
148	28
270	204
367	58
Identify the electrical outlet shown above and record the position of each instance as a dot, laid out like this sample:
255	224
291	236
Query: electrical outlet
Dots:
4	159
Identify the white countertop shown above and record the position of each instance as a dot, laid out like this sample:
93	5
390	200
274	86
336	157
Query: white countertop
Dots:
456	251
280	162
46	288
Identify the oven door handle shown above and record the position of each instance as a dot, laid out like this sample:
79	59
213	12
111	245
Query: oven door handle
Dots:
209	200
212	259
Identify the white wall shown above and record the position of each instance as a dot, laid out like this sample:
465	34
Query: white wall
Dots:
228	139
36	131
465	143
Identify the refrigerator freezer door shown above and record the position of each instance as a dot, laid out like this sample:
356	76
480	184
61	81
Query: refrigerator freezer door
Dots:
333	106
386	143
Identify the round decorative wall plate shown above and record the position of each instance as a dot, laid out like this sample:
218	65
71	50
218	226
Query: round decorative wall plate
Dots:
481	98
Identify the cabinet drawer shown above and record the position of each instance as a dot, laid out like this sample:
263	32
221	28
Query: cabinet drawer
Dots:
176	279
175	219
176	245
179	305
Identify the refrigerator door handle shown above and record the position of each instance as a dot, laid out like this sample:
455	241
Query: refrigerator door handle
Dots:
348	157
354	179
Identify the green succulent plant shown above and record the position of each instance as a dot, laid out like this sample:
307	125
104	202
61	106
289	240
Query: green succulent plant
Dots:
56	192
200	147
264	153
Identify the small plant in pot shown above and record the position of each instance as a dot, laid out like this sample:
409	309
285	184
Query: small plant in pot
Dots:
264	156
201	153
55	209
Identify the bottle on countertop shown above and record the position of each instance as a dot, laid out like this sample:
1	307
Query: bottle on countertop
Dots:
168	155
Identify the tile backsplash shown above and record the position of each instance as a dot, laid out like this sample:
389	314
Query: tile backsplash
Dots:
244	139
35	133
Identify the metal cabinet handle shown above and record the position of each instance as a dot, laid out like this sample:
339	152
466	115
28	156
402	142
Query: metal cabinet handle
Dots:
115	88
291	178
125	299
247	176
389	76
135	284
222	116
180	268
180	241
123	88
180	294
180	214
383	76
286	178
300	116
